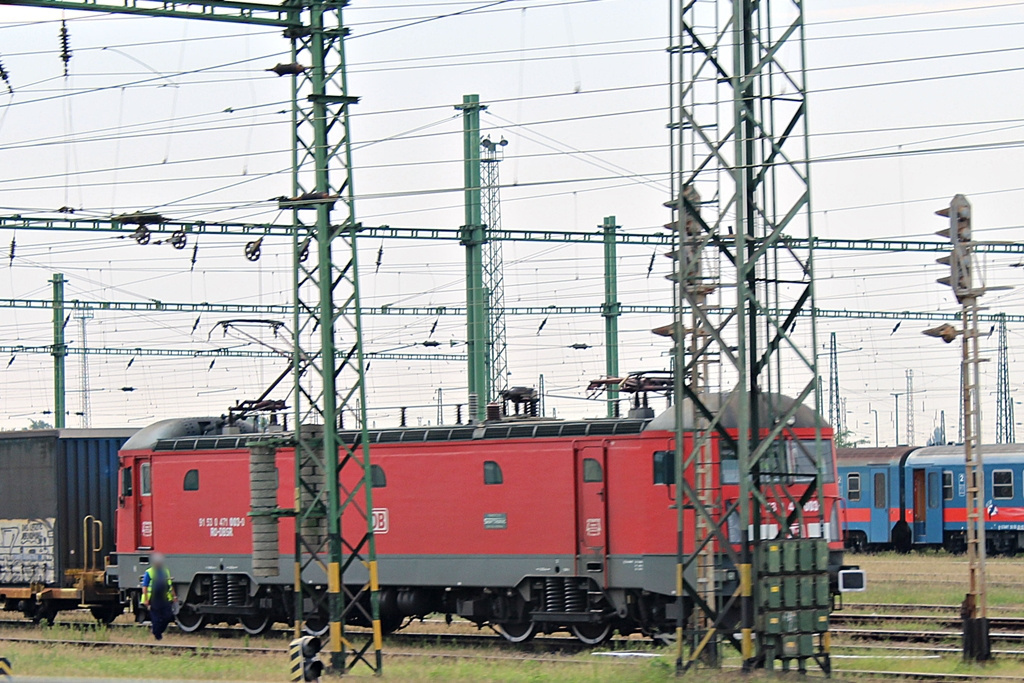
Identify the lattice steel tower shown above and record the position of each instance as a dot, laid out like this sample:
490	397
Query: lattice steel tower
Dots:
494	267
327	361
741	179
1004	399
911	431
835	404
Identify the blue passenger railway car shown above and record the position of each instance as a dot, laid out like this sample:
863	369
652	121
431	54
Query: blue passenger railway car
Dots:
915	497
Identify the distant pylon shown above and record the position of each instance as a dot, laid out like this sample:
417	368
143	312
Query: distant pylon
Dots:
835	404
86	416
1004	401
910	407
494	268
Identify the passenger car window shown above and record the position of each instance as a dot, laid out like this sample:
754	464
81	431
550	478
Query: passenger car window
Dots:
853	487
191	482
1002	484
492	473
664	467
592	472
947	486
378	479
880	497
145	485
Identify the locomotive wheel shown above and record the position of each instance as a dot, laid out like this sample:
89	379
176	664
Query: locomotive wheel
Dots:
592	634
45	614
517	632
188	620
105	615
256	624
316	626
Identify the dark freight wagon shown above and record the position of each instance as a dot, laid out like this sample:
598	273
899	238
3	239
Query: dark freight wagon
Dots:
58	494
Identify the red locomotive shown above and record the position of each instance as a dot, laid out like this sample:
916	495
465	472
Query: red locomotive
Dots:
528	524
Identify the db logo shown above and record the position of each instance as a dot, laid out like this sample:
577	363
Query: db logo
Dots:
594	526
379	517
147	529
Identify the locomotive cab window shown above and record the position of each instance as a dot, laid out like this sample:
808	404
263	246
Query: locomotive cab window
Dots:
807	455
592	472
145	483
126	481
492	473
853	487
880	497
664	467
947	486
191	482
1002	484
378	479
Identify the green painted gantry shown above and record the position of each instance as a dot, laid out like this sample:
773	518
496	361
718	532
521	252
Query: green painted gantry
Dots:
326	295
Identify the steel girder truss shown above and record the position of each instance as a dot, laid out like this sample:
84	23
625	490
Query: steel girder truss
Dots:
740	199
168	227
328	357
326	296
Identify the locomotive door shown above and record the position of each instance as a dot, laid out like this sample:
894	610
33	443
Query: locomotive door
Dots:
144	504
878	530
591	518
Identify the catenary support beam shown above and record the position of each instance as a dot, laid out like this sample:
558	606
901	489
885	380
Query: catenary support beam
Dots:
254	230
458	310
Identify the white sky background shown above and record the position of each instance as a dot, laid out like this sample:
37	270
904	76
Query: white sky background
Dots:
147	129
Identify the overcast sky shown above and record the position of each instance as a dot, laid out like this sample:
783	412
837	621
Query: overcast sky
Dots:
182	117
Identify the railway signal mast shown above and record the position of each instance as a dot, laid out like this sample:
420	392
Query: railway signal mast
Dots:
976	642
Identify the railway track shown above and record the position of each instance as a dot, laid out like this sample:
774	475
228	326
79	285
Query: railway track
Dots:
842	618
886	607
538	650
887	635
524	652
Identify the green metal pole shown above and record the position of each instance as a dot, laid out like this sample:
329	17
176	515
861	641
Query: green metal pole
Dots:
328	357
60	351
611	310
473	238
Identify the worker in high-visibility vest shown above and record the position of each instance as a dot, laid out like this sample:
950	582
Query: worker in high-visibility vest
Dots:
158	595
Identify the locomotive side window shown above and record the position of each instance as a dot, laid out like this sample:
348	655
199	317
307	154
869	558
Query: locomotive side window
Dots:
492	473
592	472
145	483
729	463
853	487
1002	484
947	486
880	497
805	454
126	481
378	479
665	467
191	482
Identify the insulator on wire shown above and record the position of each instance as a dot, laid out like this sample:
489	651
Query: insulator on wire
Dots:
6	78
65	46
